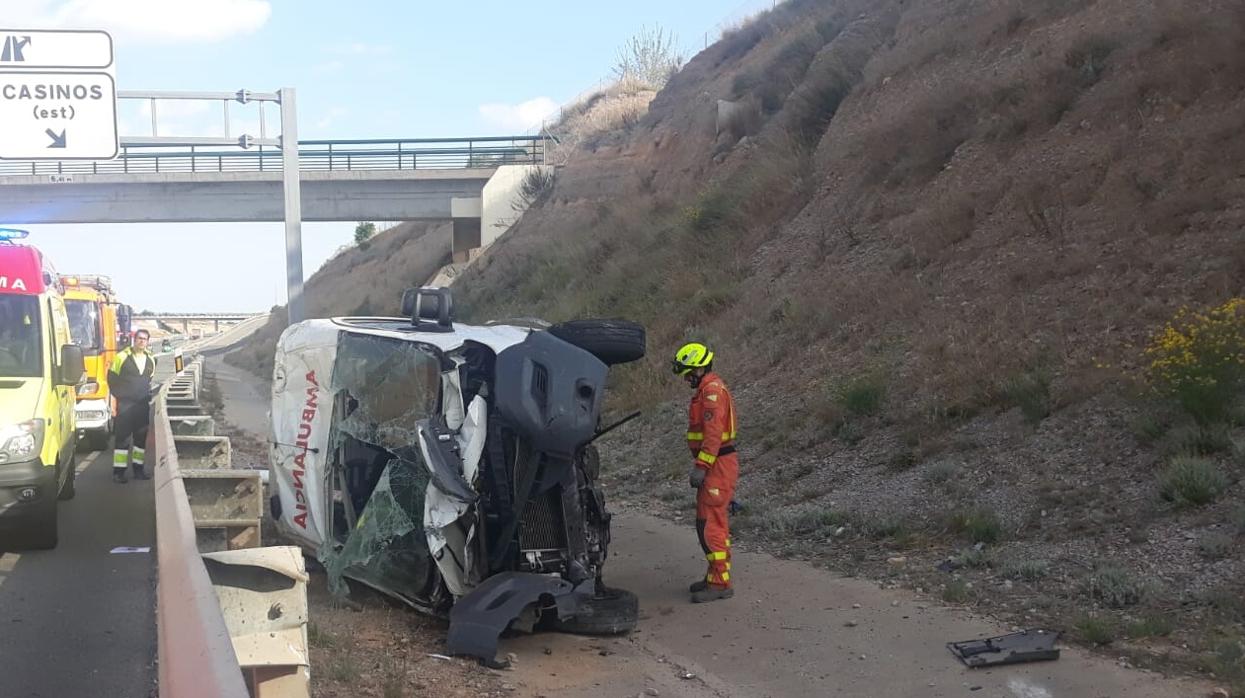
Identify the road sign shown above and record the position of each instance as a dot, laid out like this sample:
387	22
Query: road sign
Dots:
58	95
73	50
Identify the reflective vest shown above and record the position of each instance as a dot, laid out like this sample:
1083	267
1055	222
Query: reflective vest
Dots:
711	422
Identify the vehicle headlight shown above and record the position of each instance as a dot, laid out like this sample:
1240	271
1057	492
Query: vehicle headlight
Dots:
88	387
21	441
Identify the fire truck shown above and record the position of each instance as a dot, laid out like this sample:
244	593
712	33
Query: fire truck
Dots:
100	324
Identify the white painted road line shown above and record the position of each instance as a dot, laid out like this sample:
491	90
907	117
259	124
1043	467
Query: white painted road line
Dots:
7	562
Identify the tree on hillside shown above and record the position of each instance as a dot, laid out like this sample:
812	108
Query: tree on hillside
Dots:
650	57
364	232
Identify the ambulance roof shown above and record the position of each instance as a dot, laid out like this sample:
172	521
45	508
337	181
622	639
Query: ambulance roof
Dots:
24	270
494	336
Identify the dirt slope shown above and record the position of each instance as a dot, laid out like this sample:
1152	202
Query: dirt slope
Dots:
928	249
928	255
792	630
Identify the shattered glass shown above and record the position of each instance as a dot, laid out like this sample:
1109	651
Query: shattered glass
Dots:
381	388
387	549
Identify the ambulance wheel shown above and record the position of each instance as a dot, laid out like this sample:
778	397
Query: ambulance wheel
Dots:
43	533
68	491
610	612
611	341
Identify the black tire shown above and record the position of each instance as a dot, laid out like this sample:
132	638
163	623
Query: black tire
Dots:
68	491
43	533
102	440
95	441
611	341
612	612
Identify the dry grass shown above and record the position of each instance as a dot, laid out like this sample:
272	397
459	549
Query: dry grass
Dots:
608	112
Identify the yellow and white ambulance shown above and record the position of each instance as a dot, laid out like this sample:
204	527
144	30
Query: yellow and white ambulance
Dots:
40	369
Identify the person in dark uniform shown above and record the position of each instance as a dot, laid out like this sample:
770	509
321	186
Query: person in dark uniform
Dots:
129	378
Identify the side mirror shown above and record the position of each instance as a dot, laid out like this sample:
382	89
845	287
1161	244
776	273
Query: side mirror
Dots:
73	365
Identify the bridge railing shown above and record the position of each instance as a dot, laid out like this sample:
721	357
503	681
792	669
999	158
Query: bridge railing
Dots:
314	155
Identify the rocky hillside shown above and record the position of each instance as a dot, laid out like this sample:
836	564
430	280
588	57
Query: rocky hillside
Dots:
929	248
930	244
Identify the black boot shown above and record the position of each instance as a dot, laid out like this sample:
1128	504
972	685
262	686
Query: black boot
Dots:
712	593
139	472
118	475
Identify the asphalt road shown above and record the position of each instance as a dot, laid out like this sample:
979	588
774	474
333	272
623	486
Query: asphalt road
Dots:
79	620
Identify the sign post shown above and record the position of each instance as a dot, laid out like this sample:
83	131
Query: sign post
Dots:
58	95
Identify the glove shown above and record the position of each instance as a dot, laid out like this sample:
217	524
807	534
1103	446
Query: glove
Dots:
696	476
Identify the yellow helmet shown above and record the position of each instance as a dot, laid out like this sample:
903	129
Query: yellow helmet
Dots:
690	356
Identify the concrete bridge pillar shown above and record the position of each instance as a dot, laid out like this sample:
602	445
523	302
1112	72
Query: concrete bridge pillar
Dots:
466	215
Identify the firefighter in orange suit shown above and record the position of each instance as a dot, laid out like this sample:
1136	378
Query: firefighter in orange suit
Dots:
711	438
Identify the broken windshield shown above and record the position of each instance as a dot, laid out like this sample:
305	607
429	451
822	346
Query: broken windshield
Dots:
389	384
382	387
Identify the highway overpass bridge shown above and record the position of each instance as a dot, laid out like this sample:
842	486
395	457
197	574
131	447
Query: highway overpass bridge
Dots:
476	183
186	320
342	180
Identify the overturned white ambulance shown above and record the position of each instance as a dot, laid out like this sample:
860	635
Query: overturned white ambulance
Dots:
451	466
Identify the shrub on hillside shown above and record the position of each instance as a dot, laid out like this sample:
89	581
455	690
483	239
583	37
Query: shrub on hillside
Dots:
1190	480
1198	360
1030	391
862	396
980	524
1115	587
1199	440
1095	630
650	57
537	184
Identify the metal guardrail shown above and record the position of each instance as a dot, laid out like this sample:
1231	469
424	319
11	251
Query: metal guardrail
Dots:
314	156
196	655
231	616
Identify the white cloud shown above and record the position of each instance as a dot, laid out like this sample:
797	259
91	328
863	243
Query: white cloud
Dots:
519	117
155	21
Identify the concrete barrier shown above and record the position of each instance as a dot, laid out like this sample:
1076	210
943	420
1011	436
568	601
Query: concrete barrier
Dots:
203	452
227	506
193	426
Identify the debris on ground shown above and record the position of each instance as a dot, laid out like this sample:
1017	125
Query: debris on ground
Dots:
1025	646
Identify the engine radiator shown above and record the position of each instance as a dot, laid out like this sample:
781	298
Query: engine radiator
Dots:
542	526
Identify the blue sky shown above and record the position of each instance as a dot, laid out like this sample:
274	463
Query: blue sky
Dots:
363	69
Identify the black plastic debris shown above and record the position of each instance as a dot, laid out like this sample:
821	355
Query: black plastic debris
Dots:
1025	646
